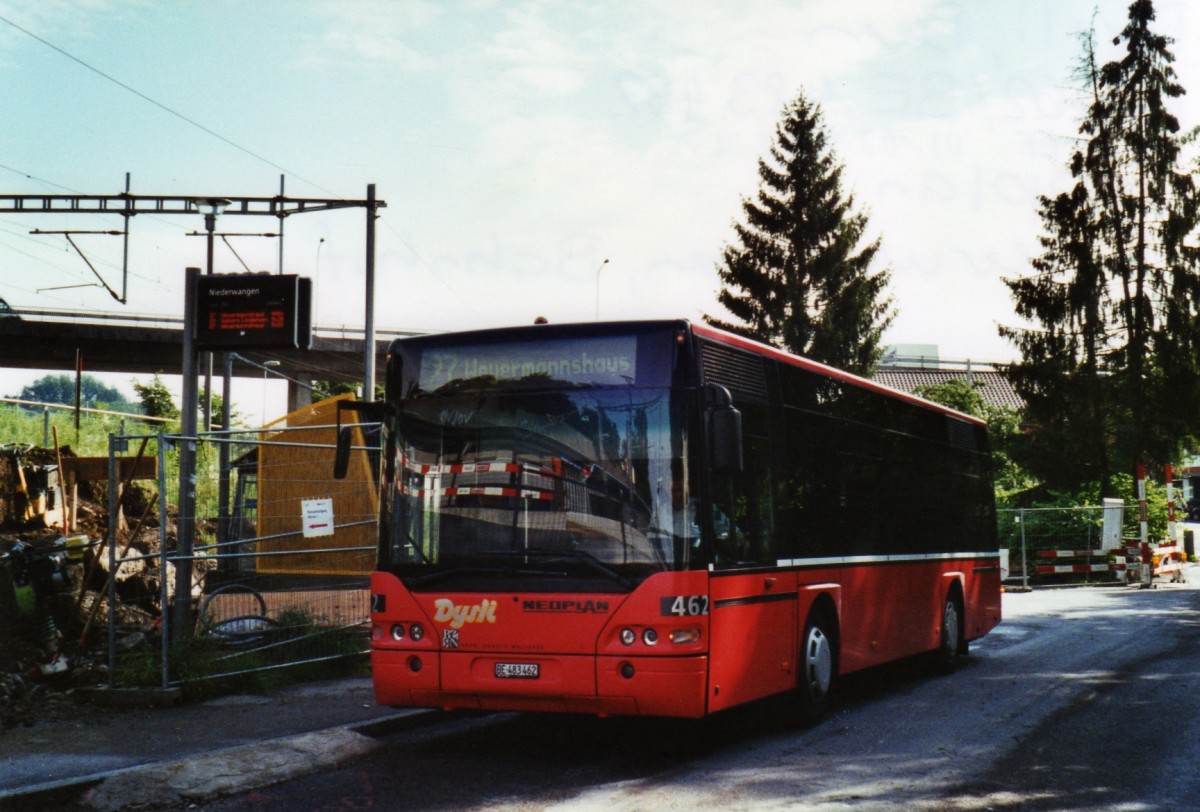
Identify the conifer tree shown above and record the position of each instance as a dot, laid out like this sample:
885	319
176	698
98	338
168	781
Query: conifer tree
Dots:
1110	359
799	275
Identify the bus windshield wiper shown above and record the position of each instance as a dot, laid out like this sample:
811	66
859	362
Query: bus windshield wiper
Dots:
451	572
593	563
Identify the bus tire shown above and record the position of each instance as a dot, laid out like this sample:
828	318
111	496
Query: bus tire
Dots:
817	666
950	646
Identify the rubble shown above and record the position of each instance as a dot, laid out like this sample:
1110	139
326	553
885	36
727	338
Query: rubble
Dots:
54	601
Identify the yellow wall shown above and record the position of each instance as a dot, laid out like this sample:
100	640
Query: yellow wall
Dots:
289	474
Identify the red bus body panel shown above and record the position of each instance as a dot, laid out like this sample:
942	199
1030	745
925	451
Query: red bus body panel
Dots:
574	640
893	610
746	647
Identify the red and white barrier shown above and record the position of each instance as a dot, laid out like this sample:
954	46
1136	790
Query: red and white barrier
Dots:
1170	562
1085	566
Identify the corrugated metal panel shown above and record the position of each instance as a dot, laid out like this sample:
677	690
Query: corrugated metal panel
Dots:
993	386
303	469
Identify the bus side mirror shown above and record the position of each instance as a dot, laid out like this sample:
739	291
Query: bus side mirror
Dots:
341	455
724	430
372	411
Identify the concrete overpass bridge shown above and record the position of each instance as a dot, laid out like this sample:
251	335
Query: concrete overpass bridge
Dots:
110	342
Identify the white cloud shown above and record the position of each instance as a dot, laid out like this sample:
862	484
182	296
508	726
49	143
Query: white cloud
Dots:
521	144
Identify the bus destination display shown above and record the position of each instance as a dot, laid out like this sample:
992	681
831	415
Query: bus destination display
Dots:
598	361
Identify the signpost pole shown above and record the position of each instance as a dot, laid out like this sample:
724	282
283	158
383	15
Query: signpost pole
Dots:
181	608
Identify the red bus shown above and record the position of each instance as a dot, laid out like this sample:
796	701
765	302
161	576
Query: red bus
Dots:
662	518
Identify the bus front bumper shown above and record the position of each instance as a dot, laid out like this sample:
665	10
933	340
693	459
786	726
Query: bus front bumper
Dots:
650	686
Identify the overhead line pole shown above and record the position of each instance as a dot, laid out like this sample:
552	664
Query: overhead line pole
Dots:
369	321
130	204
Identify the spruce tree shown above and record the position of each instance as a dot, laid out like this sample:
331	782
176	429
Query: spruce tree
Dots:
799	274
1109	364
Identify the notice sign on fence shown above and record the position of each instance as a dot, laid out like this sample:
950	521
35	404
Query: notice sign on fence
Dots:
318	517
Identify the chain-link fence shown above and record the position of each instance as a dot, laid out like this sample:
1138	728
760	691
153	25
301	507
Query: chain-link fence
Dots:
276	573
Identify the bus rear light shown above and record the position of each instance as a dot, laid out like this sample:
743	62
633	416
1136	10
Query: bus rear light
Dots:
416	632
398	632
650	637
683	637
628	636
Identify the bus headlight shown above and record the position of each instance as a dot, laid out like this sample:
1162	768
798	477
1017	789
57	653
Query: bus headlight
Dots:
628	636
398	632
650	637
416	632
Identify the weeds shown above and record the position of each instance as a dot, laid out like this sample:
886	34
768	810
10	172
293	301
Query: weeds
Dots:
296	646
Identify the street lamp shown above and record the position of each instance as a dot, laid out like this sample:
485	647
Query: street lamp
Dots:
211	208
598	270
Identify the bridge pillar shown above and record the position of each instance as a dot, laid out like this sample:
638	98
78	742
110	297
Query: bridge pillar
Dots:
298	396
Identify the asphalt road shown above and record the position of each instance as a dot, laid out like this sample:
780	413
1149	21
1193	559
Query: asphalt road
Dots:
1082	699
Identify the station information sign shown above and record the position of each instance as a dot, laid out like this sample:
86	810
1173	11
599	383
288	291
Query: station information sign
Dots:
253	311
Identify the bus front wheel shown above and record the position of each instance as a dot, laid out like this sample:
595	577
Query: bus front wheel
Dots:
951	645
818	659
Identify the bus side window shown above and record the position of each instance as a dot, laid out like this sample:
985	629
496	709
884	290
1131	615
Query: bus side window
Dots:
742	512
805	503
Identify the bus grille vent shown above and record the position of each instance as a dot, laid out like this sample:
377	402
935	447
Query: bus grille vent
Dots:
737	371
961	434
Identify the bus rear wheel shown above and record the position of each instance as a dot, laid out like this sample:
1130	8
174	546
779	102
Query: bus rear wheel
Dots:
818	659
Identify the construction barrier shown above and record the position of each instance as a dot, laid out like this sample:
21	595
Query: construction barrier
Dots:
1168	561
1075	561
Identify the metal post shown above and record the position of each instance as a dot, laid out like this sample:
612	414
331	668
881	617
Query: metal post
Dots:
1169	474
186	521
369	332
1024	559
164	598
281	218
1144	527
112	561
78	388
210	224
223	452
125	250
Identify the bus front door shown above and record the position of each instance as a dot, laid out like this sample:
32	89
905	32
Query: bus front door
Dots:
753	637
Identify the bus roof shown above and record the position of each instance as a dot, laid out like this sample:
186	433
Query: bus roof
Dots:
717	334
698	329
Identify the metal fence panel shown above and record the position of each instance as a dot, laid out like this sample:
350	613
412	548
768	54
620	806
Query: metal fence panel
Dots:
1057	545
280	561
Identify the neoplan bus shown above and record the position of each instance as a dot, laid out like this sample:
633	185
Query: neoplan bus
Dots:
662	518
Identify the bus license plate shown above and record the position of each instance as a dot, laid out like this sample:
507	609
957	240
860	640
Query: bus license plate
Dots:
516	670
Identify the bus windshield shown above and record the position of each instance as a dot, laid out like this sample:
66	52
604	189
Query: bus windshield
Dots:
537	483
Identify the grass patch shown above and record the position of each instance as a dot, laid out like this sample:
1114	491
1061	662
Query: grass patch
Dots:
257	658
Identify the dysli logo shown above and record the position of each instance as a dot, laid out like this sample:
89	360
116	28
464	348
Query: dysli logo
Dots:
457	615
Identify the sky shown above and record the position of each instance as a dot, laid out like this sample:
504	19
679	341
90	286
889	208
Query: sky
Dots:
572	160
